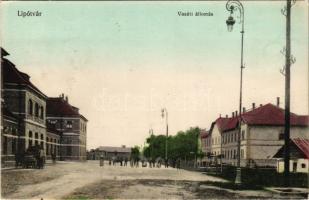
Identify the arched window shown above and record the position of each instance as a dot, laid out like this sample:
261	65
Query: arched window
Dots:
30	107
69	124
36	109
42	113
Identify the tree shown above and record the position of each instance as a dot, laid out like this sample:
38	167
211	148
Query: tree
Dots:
135	152
184	145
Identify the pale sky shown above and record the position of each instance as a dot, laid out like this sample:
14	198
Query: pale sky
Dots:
121	62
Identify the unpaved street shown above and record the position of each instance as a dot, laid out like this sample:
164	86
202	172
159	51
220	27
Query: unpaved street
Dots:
89	180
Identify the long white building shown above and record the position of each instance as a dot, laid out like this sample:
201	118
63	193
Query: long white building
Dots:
262	135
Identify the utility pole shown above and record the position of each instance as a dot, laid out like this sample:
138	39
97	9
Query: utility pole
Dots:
164	111
287	96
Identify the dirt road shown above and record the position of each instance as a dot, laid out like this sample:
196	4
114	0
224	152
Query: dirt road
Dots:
77	180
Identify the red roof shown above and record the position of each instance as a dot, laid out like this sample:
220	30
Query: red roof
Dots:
204	134
270	114
303	145
59	107
12	75
267	115
225	124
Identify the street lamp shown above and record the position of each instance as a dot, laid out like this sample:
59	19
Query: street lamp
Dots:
231	6
164	112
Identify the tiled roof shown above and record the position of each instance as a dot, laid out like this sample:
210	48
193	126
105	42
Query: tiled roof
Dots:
270	114
267	115
225	124
12	75
300	144
115	149
59	107
204	133
303	145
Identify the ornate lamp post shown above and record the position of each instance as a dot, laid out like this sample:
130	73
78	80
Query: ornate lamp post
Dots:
164	111
231	6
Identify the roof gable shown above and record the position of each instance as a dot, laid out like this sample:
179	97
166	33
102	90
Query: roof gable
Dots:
300	145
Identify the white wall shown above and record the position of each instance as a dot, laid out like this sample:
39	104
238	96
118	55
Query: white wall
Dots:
216	138
299	168
263	141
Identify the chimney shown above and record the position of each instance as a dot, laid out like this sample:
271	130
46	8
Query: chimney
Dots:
67	99
261	105
226	116
220	116
232	114
278	101
236	113
253	106
243	110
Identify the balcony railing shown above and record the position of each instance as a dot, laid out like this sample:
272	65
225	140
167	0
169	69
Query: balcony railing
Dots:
35	119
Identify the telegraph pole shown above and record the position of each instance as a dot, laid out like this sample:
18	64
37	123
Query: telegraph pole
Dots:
287	96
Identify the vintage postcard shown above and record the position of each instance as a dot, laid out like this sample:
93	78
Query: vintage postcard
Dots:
154	99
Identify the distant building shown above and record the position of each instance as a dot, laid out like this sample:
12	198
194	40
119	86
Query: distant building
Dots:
110	153
71	125
262	134
25	101
299	156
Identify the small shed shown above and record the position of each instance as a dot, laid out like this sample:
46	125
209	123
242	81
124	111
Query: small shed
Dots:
299	156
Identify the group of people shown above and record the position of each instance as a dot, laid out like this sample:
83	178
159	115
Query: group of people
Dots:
152	163
113	161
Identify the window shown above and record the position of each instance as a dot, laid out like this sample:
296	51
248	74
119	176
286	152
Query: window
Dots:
47	149
30	134
242	153
234	154
281	136
30	107
69	124
5	143
36	110
242	135
42	112
36	135
14	131
52	121
42	137
303	165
